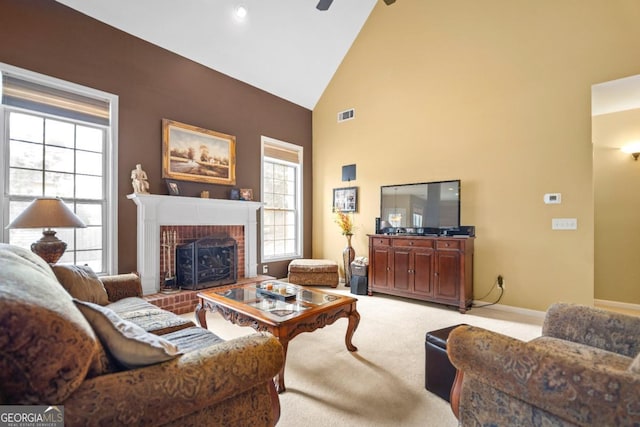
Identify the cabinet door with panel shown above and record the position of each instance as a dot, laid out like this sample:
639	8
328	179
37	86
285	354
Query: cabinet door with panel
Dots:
447	275
423	271
402	263
379	268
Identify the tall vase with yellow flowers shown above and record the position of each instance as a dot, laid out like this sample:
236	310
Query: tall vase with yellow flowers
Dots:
345	222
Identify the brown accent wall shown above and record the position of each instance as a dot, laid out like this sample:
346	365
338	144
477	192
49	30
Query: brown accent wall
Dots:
152	84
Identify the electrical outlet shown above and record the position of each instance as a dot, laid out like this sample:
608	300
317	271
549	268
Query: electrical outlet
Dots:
265	269
500	281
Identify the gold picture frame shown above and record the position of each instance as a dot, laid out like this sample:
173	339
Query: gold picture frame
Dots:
191	153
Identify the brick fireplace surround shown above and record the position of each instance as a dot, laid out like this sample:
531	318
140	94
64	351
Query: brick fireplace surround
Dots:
157	212
187	233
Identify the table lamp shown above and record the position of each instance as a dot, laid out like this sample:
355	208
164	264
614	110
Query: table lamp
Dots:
47	212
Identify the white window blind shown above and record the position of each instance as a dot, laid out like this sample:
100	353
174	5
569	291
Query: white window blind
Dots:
282	198
32	96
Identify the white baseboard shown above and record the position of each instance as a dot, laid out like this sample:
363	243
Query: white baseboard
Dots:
540	314
616	304
512	309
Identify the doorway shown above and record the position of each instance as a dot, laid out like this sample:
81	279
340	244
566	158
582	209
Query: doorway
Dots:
616	183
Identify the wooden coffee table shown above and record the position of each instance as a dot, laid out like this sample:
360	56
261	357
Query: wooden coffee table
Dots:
303	310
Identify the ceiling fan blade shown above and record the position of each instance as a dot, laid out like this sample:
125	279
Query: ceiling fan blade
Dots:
324	4
388	2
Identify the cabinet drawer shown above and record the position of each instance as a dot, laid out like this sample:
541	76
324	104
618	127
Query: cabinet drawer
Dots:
448	244
380	241
416	243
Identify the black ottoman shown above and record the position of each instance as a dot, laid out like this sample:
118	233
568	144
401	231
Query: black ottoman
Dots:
439	372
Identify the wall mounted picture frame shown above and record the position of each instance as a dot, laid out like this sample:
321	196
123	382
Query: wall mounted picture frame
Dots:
190	153
345	199
173	187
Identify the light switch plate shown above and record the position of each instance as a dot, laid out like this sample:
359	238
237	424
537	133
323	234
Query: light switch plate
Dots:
564	223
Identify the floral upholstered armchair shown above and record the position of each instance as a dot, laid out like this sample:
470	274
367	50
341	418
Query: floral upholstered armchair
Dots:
583	371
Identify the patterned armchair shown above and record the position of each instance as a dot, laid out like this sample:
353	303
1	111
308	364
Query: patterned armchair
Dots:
583	371
52	353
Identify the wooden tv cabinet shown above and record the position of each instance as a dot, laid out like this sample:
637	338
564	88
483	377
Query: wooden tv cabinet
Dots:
435	269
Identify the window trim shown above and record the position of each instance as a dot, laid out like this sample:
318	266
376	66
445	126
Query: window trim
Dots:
265	140
111	156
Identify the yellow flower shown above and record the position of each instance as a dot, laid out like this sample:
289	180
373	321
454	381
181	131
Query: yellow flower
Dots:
344	222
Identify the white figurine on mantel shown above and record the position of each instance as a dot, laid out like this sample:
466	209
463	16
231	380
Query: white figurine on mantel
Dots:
139	180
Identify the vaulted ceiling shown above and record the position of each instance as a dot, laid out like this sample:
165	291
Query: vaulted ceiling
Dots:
285	47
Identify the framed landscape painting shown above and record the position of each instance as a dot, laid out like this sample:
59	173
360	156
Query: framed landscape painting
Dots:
190	153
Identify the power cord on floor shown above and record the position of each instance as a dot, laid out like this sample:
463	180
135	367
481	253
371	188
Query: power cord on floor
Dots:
495	284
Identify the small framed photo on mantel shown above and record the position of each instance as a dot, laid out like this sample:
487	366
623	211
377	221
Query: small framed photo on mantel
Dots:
173	187
246	194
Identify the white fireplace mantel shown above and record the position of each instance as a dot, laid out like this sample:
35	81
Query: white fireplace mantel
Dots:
157	210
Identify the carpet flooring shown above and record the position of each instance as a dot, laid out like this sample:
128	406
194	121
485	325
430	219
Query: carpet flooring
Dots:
382	384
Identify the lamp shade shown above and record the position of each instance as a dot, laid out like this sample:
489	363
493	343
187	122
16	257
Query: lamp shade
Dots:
47	212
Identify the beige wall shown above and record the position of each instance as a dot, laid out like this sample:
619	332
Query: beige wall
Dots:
497	94
616	180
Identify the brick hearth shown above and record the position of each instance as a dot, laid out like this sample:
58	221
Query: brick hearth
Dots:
186	301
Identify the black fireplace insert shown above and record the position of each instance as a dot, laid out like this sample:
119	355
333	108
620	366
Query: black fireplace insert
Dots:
207	262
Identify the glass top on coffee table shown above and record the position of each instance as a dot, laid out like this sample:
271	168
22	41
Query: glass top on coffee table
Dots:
278	299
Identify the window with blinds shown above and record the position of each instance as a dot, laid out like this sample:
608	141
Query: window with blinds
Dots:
282	198
57	141
29	95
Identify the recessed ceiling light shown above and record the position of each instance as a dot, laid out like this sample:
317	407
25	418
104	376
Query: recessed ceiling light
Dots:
241	12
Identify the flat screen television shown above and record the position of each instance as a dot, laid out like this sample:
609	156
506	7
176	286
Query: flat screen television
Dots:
420	208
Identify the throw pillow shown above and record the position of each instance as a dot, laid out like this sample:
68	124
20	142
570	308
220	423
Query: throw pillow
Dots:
46	345
82	283
127	342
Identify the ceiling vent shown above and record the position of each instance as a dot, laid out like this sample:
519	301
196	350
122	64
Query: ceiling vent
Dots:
346	115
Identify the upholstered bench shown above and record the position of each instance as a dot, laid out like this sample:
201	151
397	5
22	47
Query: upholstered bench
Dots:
313	272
